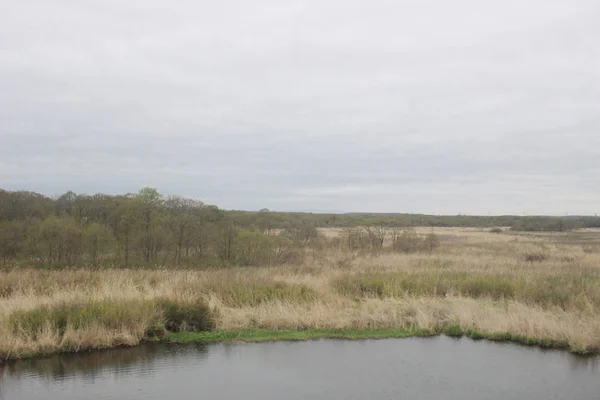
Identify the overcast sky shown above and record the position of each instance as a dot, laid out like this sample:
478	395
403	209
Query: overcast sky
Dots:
431	106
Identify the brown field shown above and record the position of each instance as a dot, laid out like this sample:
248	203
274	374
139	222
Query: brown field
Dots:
542	285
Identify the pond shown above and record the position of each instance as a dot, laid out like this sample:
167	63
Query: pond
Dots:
417	368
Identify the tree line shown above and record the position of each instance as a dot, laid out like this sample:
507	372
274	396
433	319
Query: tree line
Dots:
147	228
266	219
144	228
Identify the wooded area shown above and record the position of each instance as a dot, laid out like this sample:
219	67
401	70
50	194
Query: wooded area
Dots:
149	229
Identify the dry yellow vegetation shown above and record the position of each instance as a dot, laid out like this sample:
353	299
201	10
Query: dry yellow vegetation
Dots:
534	285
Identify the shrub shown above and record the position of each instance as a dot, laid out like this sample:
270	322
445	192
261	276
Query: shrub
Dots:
496	230
195	315
301	233
407	241
356	239
431	242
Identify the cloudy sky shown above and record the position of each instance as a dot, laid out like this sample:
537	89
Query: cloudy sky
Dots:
431	106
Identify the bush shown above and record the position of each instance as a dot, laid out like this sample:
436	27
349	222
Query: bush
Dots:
356	239
496	230
194	315
253	248
408	241
431	242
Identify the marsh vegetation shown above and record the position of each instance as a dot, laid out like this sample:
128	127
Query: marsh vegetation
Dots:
96	277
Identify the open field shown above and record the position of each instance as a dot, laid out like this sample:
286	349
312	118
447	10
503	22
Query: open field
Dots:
538	288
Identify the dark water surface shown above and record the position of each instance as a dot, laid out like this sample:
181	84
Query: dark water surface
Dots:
437	368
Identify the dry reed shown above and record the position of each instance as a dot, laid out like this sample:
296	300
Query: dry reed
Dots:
476	280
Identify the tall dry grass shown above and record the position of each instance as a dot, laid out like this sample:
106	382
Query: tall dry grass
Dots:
478	280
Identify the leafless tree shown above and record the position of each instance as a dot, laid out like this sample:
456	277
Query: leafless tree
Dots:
376	235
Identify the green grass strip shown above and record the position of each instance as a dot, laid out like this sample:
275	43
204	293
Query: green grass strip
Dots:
263	335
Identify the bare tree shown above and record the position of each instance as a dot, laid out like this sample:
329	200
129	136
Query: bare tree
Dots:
376	235
356	239
395	233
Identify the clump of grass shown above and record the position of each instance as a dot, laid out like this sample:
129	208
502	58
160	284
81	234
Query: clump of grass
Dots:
253	293
543	342
564	291
536	256
96	324
425	284
44	283
454	331
7	289
108	314
475	335
195	315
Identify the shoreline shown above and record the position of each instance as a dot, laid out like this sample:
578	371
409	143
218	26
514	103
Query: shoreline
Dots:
275	335
454	331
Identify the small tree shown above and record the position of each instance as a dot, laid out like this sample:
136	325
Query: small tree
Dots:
356	239
395	233
376	235
301	233
264	221
431	242
407	241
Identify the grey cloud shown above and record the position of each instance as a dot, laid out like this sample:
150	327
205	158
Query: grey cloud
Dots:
408	106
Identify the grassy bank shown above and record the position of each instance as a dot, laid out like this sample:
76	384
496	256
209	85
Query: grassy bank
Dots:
262	335
541	289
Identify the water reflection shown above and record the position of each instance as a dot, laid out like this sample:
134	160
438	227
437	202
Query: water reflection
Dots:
121	362
583	363
431	368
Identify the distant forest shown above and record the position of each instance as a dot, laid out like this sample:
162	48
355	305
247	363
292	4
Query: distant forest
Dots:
147	228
